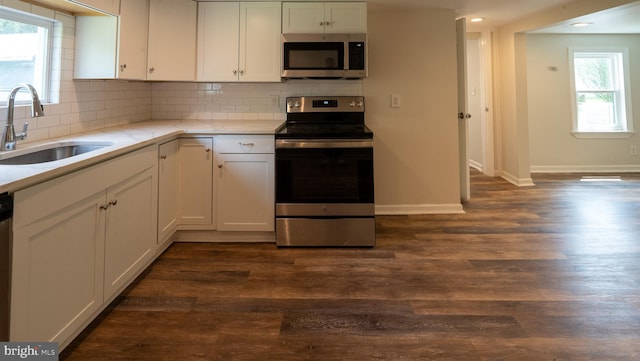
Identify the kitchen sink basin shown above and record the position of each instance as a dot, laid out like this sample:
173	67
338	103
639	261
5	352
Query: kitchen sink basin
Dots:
50	152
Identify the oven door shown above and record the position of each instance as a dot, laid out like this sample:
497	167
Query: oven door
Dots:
324	193
324	178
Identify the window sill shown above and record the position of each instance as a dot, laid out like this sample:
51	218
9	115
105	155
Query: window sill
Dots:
603	135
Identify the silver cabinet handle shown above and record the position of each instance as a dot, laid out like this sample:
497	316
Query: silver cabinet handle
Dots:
247	144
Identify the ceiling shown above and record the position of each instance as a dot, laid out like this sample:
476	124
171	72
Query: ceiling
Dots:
623	20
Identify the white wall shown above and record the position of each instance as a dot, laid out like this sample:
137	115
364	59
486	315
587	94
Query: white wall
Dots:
511	84
553	147
413	53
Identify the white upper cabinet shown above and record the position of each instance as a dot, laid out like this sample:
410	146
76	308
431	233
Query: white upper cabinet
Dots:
312	17
132	40
239	41
172	40
110	47
111	7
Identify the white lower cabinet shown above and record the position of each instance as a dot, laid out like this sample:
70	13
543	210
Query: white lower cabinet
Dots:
78	240
131	222
168	164
58	264
195	182
245	183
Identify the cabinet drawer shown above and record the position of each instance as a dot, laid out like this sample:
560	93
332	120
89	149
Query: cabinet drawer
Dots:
243	144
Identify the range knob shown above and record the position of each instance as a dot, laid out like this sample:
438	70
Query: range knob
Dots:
294	104
352	104
359	103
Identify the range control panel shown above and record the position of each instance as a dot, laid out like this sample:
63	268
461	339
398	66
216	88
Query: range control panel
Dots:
339	104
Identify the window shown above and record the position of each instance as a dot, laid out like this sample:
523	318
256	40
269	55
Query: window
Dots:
600	85
25	54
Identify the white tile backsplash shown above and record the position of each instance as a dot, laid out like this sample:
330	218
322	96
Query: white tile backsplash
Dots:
85	105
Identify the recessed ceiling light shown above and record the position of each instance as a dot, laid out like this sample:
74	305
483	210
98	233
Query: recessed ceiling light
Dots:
581	24
476	20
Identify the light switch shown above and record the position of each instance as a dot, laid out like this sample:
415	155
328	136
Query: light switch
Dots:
395	100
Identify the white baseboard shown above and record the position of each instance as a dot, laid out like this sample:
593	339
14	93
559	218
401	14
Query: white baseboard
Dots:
623	168
520	182
406	209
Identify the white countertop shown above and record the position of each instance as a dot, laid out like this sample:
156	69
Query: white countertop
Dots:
125	139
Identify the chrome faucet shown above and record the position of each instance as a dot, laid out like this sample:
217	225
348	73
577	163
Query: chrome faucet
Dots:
9	137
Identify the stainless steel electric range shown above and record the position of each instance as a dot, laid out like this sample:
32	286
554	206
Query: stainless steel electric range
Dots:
324	174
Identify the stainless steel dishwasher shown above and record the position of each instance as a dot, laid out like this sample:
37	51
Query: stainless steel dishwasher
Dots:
6	213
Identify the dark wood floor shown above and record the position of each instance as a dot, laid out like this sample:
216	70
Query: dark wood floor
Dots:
542	273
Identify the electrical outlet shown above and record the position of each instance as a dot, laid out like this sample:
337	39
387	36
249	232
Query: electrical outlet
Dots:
395	100
275	101
633	150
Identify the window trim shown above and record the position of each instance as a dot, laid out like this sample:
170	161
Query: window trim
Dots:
625	90
29	18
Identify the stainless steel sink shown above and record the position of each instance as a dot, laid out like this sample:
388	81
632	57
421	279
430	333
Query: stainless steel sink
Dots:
50	152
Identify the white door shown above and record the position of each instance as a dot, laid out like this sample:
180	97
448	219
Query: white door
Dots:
245	191
463	115
218	38
195	181
172	40
259	58
131	229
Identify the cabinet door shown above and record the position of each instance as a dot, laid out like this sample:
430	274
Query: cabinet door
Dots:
172	40
131	227
111	7
303	17
218	39
195	181
346	17
95	43
132	39
57	278
167	189
260	41
245	192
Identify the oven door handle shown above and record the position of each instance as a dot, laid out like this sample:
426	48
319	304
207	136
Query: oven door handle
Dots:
324	143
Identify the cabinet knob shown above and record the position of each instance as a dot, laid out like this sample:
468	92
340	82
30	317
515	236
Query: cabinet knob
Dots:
328	23
219	166
113	202
207	150
241	72
163	157
322	23
123	67
152	69
104	207
235	72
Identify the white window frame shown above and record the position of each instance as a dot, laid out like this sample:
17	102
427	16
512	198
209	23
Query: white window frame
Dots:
43	61
621	91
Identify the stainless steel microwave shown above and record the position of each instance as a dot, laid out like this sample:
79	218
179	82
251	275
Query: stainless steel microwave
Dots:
324	56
